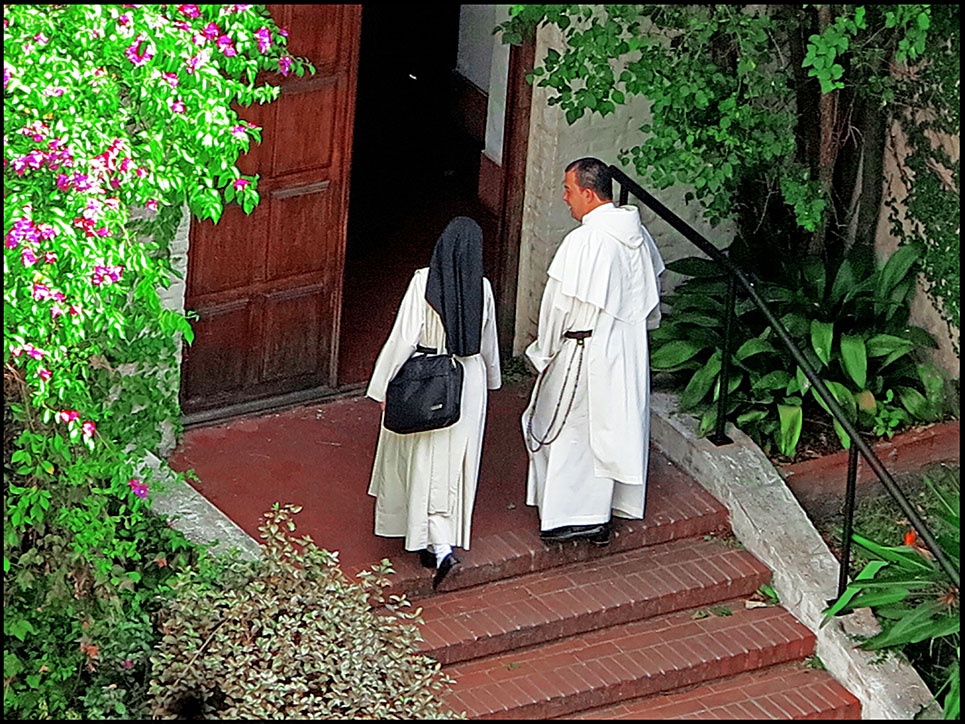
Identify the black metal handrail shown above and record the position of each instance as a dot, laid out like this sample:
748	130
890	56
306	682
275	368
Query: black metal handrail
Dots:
736	276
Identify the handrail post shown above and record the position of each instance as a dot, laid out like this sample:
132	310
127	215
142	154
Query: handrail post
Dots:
719	438
848	528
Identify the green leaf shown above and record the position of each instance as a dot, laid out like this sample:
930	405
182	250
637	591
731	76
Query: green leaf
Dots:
671	355
898	266
792	421
854	358
754	346
822	336
701	382
883	345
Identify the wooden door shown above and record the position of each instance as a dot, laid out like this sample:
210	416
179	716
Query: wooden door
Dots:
268	286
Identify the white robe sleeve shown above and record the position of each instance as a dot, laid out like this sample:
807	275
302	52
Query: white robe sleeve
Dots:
489	344
555	312
402	340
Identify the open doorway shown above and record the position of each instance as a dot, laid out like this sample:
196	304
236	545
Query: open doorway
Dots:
415	165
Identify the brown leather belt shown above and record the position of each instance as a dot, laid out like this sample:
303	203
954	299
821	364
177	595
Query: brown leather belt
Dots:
579	336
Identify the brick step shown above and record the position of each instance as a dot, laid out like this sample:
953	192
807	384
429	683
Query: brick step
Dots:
677	508
623	662
580	597
788	691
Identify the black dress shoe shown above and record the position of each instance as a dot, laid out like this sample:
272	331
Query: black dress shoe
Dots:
427	559
448	563
572	532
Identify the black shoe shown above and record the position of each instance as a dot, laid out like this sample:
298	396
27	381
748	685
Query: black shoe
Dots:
427	559
594	533
448	563
602	538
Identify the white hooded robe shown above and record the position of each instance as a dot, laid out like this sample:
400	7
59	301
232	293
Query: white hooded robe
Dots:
436	472
603	278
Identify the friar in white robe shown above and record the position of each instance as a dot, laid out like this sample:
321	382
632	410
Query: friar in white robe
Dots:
424	483
587	426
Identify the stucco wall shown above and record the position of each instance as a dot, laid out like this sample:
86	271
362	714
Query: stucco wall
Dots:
923	312
553	143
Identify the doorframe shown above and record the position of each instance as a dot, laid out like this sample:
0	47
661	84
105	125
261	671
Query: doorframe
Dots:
519	101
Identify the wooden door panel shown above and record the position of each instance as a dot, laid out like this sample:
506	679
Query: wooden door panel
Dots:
301	239
295	355
221	365
318	36
226	254
267	287
309	115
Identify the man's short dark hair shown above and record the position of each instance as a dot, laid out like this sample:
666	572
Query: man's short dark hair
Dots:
591	173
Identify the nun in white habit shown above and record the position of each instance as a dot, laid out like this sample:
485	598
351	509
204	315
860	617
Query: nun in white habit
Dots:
587	426
424	483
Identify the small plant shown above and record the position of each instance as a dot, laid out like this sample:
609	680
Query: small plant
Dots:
290	636
911	595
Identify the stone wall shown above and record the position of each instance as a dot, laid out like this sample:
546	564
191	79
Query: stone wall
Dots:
923	312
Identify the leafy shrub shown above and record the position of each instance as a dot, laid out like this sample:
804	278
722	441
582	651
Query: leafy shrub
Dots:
115	117
853	329
911	596
290	636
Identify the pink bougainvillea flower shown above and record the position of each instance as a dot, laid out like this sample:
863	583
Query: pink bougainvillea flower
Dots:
225	46
263	35
284	64
139	488
87	429
181	25
40	291
33	352
239	132
151	204
73	310
241	183
124	20
194	62
141	172
171	78
68	416
211	31
177	106
135	54
7	75
237	8
50	257
105	274
44	374
54	91
57	311
283	32
190	11
27	257
41	39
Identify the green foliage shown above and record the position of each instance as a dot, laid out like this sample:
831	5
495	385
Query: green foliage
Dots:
776	116
929	214
910	594
853	330
115	117
290	636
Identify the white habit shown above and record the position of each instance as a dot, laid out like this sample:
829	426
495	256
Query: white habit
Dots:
432	472
603	278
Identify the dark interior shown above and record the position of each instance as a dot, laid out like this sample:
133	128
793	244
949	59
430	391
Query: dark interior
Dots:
414	167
